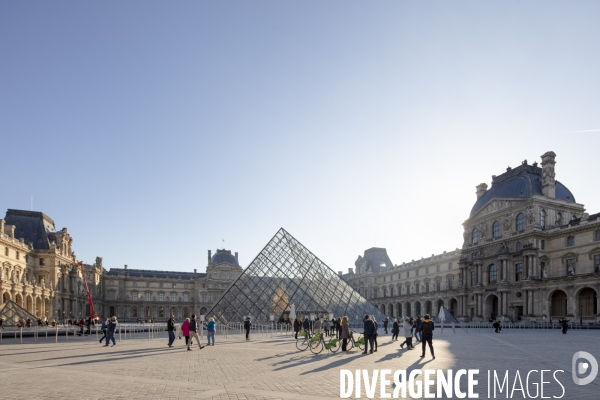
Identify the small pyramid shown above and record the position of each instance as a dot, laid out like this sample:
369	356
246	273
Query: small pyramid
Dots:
446	315
286	274
11	313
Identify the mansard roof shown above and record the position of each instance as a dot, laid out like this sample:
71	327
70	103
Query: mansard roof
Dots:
31	226
522	182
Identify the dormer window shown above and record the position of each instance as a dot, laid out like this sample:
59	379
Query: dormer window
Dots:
475	235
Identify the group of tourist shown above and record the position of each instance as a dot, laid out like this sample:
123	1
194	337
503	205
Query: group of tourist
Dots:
330	328
189	330
421	330
108	327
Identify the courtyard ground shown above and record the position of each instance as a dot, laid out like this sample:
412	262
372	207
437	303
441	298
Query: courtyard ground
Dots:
272	368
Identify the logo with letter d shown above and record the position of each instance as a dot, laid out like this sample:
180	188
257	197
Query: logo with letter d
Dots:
581	367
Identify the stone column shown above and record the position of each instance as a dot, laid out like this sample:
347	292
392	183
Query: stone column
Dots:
505	303
530	299
480	274
525	302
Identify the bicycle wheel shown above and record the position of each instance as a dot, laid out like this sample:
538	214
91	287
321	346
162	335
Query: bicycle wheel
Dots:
316	347
334	345
360	343
302	344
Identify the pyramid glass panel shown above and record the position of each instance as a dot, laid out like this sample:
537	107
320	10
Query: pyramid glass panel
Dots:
11	313
286	274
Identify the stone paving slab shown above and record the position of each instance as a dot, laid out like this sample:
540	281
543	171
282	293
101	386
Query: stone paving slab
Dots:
271	367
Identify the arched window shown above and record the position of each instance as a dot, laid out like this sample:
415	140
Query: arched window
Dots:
475	235
493	274
519	246
543	218
520	222
571	241
597	235
134	312
496	229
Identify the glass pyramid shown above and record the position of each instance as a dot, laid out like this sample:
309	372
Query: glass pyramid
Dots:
286	278
11	313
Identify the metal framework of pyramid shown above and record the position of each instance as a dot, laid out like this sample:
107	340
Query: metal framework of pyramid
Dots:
286	275
11	313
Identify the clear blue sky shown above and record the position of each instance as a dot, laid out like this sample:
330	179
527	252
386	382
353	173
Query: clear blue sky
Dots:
156	130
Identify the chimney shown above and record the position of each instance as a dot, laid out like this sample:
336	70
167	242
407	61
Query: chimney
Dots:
548	182
209	252
194	270
1	226
340	273
236	255
350	270
481	189
125	266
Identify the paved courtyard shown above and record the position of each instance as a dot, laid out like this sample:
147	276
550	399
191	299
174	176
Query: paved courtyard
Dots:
272	368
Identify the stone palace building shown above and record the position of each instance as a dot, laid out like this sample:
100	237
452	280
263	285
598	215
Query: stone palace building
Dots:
530	252
40	273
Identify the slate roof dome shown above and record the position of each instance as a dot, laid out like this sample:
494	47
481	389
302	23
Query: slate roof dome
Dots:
224	256
521	182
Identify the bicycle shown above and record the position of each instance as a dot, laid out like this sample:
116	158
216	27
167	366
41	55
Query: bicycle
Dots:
302	344
317	344
360	342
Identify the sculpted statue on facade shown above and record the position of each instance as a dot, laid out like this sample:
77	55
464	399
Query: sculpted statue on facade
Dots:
545	271
506	223
530	216
570	268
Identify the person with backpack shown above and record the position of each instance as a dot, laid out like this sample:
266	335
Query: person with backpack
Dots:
193	328
427	328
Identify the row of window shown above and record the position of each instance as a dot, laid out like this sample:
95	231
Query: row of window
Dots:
17	255
416	271
520	225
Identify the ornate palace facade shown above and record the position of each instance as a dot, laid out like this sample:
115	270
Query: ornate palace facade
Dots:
40	274
529	252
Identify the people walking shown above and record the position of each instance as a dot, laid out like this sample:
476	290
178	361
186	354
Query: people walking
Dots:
427	328
385	324
296	327
564	323
185	331
395	330
345	332
171	330
496	326
111	327
369	332
339	328
103	328
407	327
418	324
210	329
317	326
247	325
193	327
326	325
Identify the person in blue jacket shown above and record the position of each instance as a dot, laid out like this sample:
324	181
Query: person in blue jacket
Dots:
210	328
